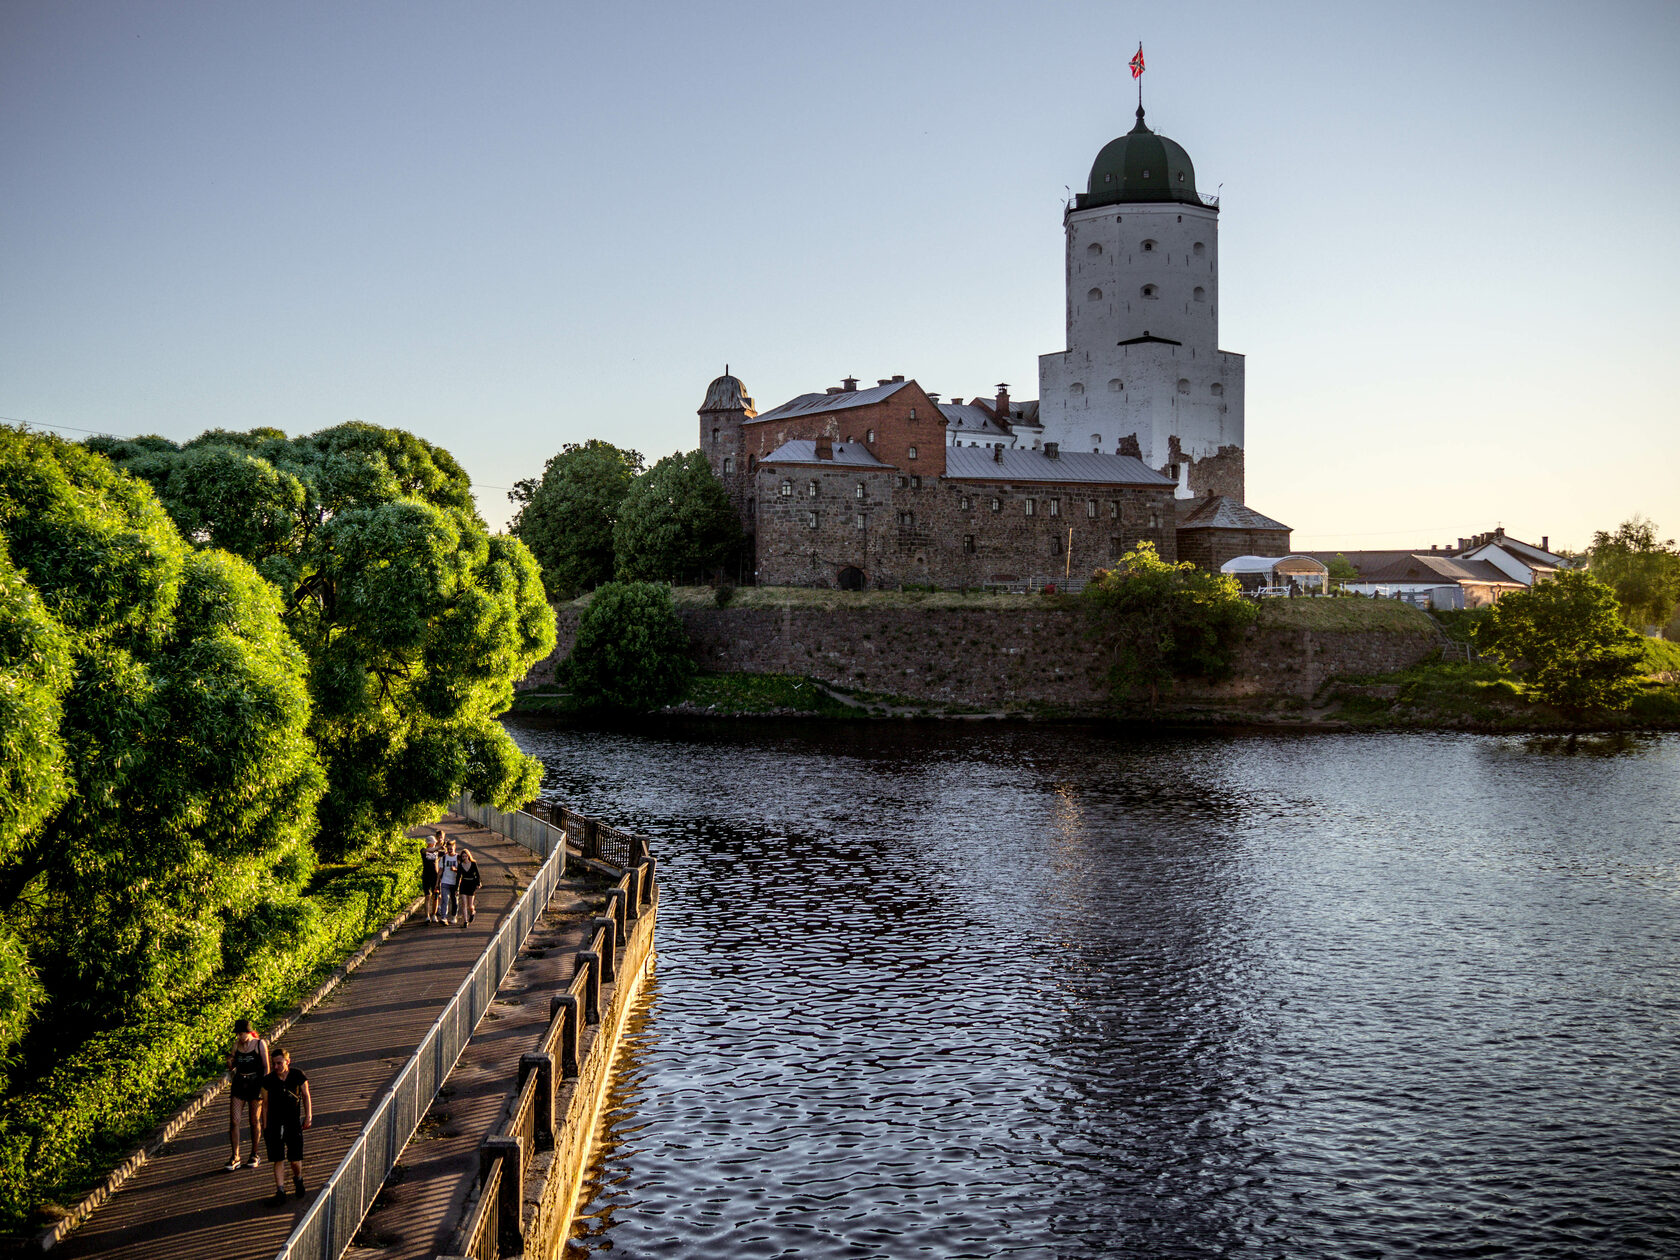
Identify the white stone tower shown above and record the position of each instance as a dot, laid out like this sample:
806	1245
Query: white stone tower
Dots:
1143	373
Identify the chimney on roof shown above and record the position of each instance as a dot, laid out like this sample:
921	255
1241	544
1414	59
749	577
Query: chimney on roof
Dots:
1433	549
1464	544
835	389
997	452
1499	532
1003	402
1052	450
897	378
883	380
825	447
933	398
849	385
1545	542
955	401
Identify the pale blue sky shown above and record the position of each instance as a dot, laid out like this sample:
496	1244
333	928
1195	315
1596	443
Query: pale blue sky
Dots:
1449	237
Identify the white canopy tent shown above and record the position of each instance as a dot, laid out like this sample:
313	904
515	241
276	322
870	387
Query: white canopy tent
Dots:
1278	572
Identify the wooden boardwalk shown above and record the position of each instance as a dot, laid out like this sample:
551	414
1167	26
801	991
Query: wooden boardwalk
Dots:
183	1205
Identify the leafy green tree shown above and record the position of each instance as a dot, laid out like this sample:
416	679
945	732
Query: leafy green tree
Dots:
1159	621
631	653
1341	570
159	781
416	621
567	517
1566	638
1644	572
676	523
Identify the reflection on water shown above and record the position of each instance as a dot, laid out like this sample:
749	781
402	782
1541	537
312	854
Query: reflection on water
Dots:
1044	991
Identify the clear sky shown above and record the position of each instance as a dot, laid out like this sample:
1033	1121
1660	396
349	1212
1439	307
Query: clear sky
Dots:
1449	239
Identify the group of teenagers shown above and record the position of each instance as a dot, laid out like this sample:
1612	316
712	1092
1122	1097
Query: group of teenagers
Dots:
450	880
273	1090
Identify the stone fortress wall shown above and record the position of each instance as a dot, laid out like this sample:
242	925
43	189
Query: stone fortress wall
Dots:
998	658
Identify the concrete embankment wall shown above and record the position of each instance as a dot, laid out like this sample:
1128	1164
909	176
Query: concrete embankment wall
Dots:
1000	658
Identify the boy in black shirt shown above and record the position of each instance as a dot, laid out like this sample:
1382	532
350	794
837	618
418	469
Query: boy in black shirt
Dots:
290	1112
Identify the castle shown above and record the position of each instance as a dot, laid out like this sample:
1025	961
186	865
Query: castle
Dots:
1136	436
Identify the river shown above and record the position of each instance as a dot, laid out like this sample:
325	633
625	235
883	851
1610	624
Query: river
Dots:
1043	991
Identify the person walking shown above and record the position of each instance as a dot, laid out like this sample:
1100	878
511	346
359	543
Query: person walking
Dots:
429	873
249	1064
470	879
449	881
290	1112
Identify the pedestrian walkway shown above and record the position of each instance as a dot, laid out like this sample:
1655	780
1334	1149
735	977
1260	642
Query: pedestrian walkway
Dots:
183	1205
416	1217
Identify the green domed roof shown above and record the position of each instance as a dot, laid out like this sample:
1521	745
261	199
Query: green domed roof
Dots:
1140	166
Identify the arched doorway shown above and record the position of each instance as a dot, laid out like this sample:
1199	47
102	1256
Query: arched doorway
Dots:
850	578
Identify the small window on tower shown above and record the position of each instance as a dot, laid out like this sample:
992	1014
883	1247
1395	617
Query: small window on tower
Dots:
1113	510
1150	291
1146	174
869	436
1055	507
1090	509
1094	250
997	504
752	463
1218	389
1198	249
912	413
968	543
1032	507
786	490
1183	386
811	520
714	437
1108	177
963	504
1200	294
859	493
1095	295
1181	180
912	452
916	481
858	520
907	520
1116	385
728	463
811	490
1154	518
1076	389
1149	247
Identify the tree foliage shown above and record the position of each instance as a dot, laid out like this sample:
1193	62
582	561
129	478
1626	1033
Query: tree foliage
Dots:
567	517
159	784
1159	621
1341	570
1644	572
1566	638
631	652
676	522
415	620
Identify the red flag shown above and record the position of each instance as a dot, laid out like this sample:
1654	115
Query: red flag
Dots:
1136	63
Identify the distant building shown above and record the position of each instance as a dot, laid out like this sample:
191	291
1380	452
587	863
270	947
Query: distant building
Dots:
1217	528
1522	562
1430	579
858	488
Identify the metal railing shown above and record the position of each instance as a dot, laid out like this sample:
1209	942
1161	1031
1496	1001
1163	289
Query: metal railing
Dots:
480	1236
336	1214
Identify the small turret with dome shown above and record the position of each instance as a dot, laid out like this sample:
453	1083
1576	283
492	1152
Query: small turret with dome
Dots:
727	393
1140	166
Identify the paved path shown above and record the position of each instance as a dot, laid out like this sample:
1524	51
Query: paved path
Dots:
184	1206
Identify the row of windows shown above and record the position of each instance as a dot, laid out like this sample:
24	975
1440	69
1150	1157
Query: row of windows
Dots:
1115	385
1095	250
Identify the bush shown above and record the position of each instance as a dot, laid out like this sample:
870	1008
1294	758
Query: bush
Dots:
676	522
567	518
1566	638
631	652
62	1133
1160	621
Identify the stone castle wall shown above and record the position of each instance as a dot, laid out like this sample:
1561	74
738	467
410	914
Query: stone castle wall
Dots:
997	658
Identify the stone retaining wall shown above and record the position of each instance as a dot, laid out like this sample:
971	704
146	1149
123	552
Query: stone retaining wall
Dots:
999	658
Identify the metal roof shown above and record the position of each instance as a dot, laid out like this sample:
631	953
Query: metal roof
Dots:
973	421
1418	566
975	463
1223	512
804	451
816	404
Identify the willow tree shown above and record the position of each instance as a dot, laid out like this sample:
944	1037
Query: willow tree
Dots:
416	621
157	785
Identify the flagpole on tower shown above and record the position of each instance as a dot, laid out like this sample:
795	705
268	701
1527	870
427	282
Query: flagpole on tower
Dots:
1136	63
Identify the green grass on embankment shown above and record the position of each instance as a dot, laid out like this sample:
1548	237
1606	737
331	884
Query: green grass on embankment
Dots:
63	1130
1344	613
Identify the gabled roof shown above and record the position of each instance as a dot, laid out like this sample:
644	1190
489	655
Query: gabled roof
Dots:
817	404
1418	566
976	463
1534	557
804	451
1220	511
972	420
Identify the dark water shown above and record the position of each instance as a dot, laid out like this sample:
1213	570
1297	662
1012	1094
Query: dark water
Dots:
1044	992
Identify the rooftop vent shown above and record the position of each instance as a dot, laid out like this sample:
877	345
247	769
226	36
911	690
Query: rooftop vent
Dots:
825	447
835	389
883	380
1052	450
849	385
895	380
997	452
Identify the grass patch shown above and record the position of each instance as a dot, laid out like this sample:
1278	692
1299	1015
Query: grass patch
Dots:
1482	696
1391	615
731	694
817	597
1661	657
